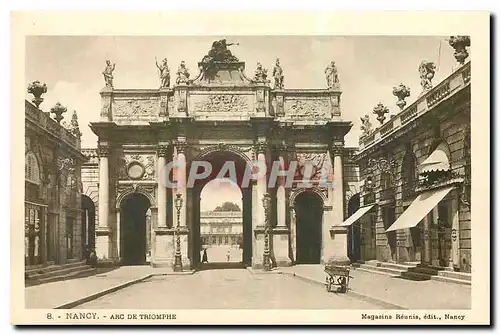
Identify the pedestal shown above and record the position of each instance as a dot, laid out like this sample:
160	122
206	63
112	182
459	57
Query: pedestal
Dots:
280	246
163	248
103	244
338	246
258	247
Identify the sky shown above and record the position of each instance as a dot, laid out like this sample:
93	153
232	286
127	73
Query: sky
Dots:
368	67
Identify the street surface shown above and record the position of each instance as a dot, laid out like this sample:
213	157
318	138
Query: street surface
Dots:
227	288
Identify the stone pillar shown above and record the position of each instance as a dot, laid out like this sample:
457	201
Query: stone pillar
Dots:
281	231
455	233
162	189
103	231
426	249
434	237
336	251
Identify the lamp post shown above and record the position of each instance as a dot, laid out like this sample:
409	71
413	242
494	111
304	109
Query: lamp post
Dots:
266	202
178	258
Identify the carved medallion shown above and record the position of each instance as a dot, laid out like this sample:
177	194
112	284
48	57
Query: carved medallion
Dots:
136	167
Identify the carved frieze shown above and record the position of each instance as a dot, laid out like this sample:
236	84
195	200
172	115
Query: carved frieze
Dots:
220	103
310	165
136	167
135	109
307	108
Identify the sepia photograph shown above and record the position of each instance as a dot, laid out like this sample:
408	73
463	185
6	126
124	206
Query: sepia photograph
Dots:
169	177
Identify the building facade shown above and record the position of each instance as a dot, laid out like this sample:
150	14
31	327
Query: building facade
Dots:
221	228
219	115
413	203
54	233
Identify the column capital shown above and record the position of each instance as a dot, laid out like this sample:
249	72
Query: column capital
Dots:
162	150
181	147
336	150
103	149
261	147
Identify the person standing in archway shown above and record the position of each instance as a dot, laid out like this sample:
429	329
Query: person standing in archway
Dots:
204	258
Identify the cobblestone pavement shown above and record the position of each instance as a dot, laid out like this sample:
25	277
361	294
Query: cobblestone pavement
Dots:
228	288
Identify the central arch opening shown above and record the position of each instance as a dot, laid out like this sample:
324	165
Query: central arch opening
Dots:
309	211
222	218
134	229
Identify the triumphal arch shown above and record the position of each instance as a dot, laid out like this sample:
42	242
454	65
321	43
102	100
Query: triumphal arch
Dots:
218	116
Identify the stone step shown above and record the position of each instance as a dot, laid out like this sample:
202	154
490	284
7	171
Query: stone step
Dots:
369	270
451	280
52	268
385	270
417	276
59	272
455	275
396	266
430	271
71	275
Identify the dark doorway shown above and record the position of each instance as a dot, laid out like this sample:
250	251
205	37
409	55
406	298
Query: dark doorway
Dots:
88	225
354	231
389	217
309	209
133	230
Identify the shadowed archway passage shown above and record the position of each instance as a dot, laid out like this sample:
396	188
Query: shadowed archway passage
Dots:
309	211
134	229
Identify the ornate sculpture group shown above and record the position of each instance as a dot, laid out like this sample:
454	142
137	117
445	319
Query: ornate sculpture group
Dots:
182	74
219	53
427	71
260	74
366	125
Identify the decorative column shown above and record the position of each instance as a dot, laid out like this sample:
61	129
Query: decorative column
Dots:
336	250
258	207
103	231
281	232
181	217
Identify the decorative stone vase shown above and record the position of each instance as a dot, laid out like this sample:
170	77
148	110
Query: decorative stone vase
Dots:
460	43
58	110
380	110
401	92
37	89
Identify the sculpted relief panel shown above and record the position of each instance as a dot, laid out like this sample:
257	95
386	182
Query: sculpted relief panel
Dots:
221	103
135	110
307	109
310	165
136	167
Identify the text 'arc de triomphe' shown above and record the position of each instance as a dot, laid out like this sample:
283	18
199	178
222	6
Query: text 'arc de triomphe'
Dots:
219	116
